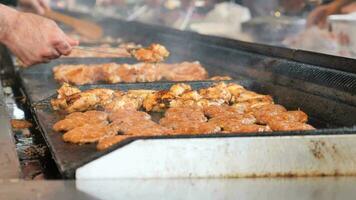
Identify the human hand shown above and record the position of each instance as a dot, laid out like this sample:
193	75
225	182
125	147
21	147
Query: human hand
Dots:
35	39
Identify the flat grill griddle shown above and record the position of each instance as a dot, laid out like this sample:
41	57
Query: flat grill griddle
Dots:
71	156
296	79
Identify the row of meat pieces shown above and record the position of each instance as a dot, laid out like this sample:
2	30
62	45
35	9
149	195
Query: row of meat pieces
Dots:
128	73
71	99
109	129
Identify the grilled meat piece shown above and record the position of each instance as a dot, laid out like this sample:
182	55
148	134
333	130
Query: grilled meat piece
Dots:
78	119
83	101
216	111
289	126
264	113
186	71
123	114
196	128
245	128
216	92
67	90
88	133
108	141
153	53
78	74
186	113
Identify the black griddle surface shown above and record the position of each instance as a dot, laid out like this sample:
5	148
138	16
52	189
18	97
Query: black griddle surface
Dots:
71	156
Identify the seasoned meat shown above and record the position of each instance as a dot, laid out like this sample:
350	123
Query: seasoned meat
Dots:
124	102
153	53
77	74
157	101
178	89
216	111
122	114
245	128
264	113
291	116
186	113
152	129
84	101
88	133
196	128
217	92
67	90
109	141
228	120
289	126
78	119
186	71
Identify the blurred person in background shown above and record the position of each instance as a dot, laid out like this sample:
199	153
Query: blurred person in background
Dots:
318	17
32	38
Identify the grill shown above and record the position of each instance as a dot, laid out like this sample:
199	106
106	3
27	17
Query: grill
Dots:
322	86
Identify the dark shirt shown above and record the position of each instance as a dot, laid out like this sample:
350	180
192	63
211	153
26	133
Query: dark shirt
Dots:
9	2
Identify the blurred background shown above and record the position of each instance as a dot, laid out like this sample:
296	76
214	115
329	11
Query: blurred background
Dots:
275	22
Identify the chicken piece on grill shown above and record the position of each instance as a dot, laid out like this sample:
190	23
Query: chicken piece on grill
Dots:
216	111
78	74
178	89
123	114
255	100
148	72
291	116
186	71
264	113
187	120
88	133
227	120
89	100
123	120
157	101
245	128
126	101
67	90
149	129
216	92
235	90
78	119
185	113
84	101
153	53
186	127
108	141
289	126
